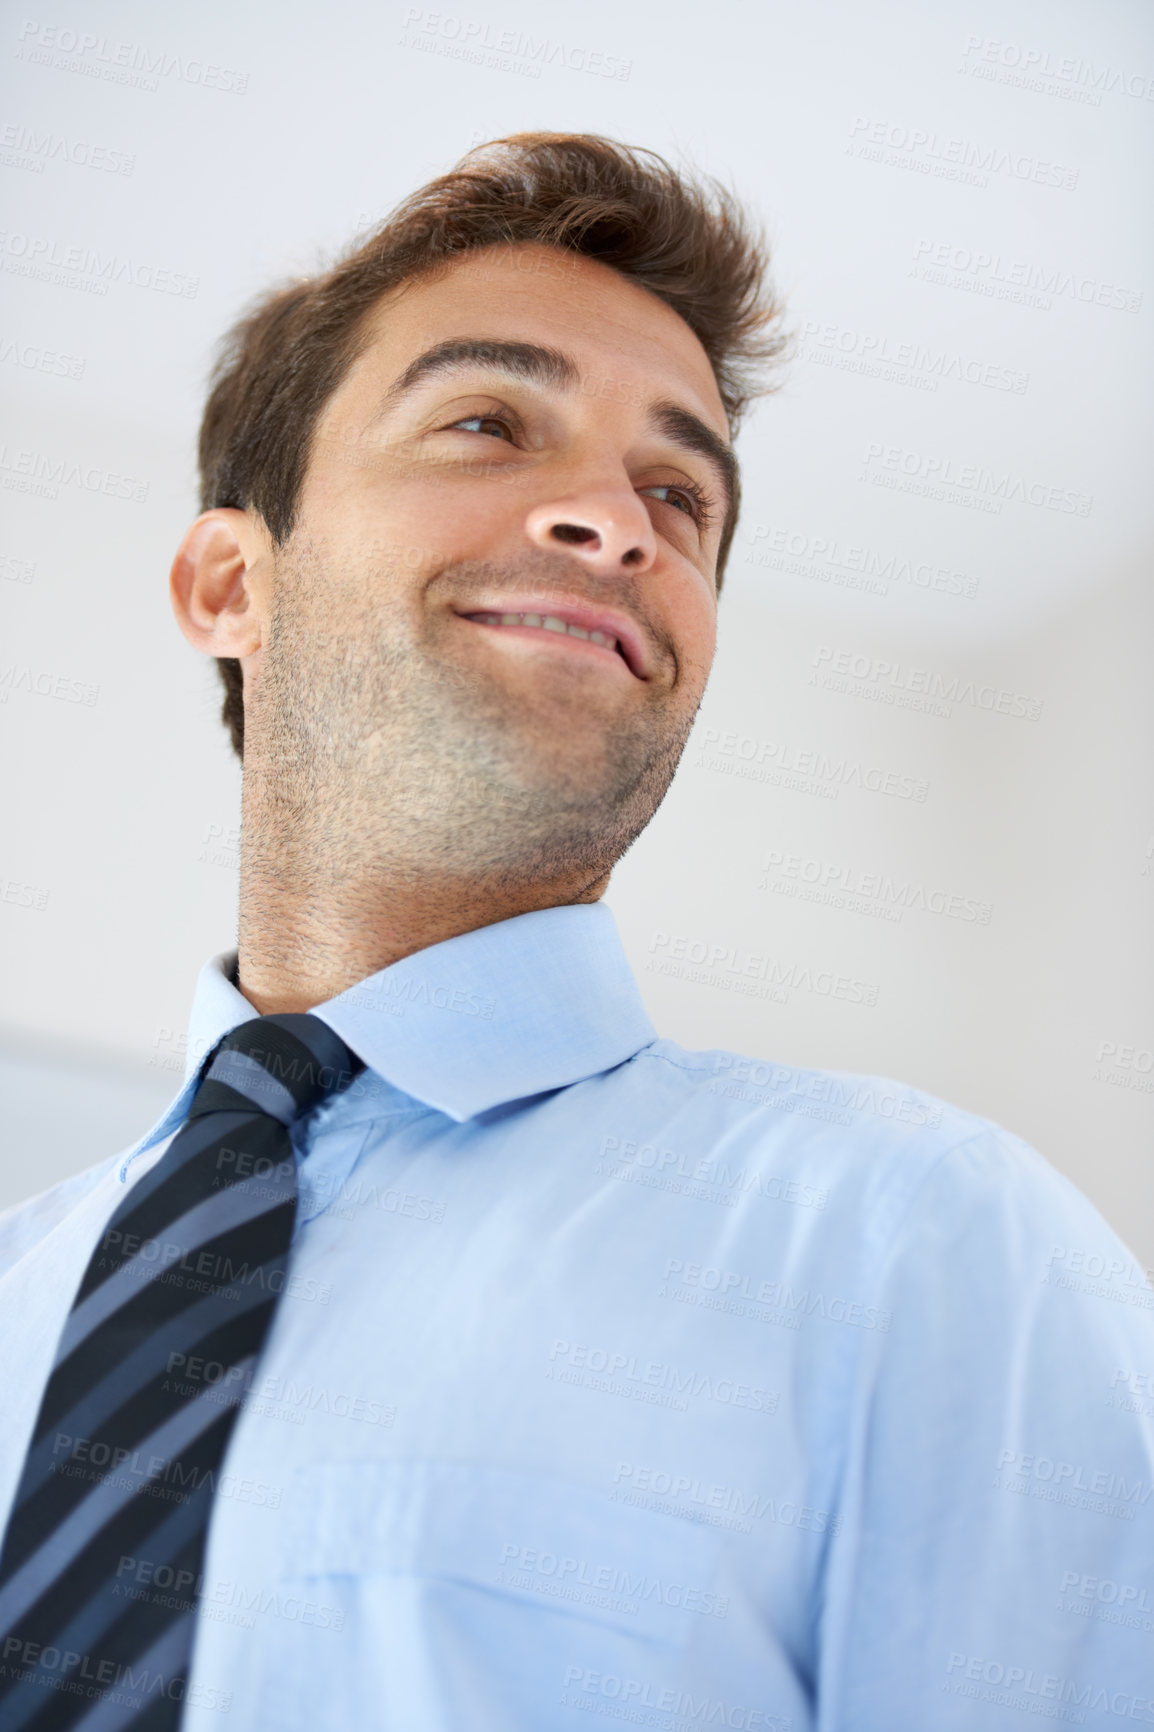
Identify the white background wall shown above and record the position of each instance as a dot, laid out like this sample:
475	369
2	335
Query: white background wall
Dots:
957	195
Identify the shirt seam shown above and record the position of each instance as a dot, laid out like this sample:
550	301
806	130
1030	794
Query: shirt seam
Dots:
884	1259
843	1448
829	1474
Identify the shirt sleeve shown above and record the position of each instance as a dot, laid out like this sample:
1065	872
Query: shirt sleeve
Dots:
995	1551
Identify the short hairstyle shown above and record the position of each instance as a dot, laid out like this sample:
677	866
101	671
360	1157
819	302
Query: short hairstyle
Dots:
686	240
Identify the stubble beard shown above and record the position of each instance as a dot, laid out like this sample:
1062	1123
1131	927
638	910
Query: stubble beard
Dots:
372	753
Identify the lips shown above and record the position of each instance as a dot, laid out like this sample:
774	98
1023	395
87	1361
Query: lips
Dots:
604	629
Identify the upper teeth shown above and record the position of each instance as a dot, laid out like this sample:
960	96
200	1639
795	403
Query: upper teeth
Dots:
548	622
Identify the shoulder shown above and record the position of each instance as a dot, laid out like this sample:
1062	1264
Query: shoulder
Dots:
884	1117
25	1225
893	1159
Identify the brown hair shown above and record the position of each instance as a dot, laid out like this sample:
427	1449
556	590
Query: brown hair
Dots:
686	241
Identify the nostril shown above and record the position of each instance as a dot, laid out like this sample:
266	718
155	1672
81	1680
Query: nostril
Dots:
573	532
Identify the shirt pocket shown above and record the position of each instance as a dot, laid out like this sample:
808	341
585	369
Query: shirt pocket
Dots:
474	1594
529	1536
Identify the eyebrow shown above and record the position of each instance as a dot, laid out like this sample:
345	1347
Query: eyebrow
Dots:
536	364
691	433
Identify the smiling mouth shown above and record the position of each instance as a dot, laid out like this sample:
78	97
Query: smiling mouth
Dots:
553	623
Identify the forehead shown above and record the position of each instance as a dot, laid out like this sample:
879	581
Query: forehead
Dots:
612	329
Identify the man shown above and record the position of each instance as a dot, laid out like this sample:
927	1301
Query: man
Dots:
589	1375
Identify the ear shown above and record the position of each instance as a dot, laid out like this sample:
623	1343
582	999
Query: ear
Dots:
221	583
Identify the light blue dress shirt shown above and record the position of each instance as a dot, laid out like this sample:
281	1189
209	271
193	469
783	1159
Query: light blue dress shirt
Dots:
617	1382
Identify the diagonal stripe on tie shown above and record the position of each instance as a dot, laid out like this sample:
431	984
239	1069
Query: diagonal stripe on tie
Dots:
159	1668
192	1335
202	1174
88	1595
94	1516
250	1254
125	1441
119	1617
126	1452
188	1235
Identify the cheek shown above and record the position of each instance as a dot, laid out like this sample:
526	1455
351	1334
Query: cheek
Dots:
693	624
421	526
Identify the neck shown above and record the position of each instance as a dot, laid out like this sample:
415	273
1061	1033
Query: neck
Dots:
301	941
353	858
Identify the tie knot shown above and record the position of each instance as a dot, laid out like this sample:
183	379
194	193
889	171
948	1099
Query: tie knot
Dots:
282	1065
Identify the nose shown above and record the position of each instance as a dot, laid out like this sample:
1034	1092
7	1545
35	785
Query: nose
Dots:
607	529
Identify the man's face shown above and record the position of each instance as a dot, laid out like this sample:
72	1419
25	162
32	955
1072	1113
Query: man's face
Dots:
497	610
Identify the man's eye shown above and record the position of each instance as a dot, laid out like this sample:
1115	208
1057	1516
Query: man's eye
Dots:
681	497
485	424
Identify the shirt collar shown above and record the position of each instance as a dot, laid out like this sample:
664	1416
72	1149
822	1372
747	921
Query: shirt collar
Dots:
508	1010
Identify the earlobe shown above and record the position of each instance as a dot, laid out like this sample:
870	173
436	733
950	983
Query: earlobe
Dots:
215	583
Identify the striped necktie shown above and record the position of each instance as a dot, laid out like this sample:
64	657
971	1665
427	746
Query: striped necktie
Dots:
154	1361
